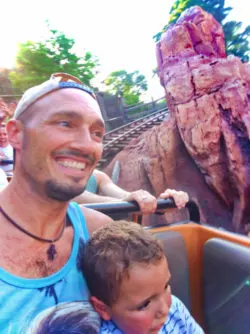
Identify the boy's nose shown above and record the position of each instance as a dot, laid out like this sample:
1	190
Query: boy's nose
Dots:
163	308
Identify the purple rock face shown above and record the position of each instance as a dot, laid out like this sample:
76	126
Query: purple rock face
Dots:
204	146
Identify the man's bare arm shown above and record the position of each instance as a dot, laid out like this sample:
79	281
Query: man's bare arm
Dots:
88	197
107	191
108	188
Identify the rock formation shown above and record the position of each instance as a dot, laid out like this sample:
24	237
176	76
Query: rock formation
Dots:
203	147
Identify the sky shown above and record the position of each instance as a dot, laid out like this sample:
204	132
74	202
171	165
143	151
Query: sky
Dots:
119	33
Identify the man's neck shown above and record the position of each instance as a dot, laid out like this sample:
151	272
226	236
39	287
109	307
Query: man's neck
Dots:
39	215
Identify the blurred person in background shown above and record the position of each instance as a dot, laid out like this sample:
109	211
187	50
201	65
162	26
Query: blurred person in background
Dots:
6	150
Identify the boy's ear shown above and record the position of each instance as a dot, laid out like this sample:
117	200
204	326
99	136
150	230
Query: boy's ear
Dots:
102	309
15	133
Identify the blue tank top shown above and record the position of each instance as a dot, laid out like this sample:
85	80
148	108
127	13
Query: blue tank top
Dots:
22	299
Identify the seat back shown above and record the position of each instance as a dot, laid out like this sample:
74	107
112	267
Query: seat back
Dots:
195	237
175	250
226	287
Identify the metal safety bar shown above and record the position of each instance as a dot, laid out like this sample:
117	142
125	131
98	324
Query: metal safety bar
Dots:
162	206
129	207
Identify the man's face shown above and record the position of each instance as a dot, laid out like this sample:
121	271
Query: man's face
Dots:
3	136
62	142
144	299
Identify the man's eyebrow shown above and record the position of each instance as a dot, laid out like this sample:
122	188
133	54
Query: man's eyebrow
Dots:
100	123
73	114
69	114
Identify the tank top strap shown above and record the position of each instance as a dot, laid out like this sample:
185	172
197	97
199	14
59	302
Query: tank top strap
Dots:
78	220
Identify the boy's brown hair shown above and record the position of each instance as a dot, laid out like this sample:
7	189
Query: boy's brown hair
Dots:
111	252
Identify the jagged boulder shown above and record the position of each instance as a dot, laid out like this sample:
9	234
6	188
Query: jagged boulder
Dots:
157	160
204	145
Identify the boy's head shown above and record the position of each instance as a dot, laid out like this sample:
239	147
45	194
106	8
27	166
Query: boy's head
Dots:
128	277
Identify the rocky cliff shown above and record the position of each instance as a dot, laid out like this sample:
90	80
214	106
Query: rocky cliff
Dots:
203	147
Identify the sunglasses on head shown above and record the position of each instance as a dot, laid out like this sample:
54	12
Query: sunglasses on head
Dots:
66	79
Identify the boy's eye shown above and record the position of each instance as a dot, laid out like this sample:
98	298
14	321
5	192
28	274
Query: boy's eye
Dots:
143	305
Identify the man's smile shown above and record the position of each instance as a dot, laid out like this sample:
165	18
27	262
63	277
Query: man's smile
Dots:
72	164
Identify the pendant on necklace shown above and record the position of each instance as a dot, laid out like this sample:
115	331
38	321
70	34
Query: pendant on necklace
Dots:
51	252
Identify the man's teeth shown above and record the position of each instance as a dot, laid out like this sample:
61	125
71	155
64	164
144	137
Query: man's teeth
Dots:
72	164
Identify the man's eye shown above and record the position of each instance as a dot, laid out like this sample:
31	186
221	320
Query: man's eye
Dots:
143	306
98	134
64	123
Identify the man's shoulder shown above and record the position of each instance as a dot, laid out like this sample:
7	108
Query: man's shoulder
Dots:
94	219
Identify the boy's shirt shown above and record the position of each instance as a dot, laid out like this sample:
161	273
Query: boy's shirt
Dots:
179	321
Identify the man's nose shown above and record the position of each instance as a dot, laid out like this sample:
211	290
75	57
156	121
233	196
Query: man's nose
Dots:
84	136
84	140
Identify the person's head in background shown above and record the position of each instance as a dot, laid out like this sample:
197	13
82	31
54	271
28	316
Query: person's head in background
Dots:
4	111
71	318
127	274
3	135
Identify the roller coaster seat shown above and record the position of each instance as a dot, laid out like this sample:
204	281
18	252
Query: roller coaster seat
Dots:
190	249
175	250
226	287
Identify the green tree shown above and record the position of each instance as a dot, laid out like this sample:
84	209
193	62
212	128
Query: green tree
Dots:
129	85
36	61
237	39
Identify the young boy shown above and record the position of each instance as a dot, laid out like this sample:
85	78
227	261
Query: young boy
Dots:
127	274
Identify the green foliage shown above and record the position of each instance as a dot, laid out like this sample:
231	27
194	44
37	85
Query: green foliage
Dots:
36	61
129	85
237	41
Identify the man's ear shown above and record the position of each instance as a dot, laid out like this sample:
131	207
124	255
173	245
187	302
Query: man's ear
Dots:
102	309
15	133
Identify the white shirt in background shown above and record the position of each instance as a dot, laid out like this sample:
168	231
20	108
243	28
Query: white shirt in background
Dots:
3	180
8	152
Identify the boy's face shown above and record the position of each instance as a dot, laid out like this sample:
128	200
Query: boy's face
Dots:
144	300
